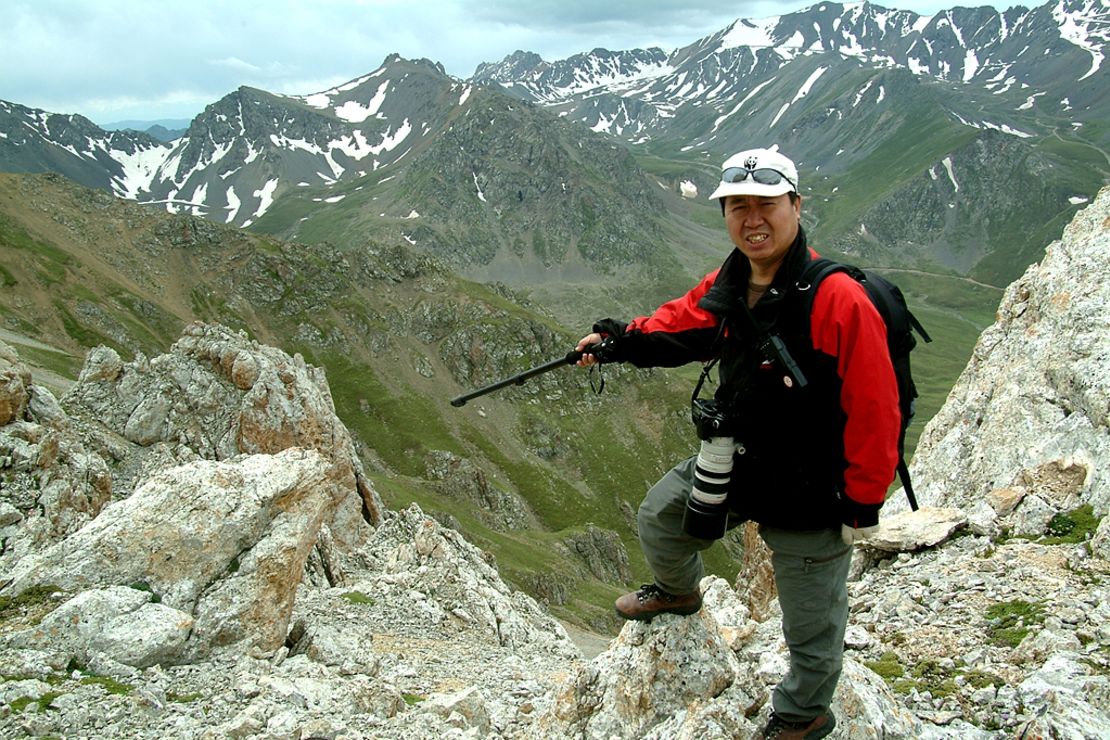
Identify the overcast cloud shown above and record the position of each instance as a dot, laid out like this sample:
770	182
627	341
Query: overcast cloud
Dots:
149	59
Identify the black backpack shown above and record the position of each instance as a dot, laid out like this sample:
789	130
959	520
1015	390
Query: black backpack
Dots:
900	326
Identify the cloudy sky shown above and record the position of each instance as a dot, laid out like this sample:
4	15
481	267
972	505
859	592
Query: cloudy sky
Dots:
112	60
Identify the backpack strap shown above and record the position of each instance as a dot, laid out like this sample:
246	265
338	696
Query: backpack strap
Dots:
813	273
816	271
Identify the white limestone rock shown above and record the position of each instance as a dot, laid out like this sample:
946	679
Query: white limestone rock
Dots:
417	555
118	621
914	530
215	395
15	386
225	542
51	483
1066	699
1036	391
651	672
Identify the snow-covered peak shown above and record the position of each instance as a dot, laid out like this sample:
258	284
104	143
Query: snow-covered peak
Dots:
751	33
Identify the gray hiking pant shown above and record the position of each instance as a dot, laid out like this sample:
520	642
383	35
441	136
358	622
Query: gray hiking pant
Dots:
811	576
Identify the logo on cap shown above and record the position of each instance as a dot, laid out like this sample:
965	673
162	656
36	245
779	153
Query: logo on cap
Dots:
750	163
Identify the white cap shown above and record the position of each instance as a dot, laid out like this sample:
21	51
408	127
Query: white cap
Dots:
758	159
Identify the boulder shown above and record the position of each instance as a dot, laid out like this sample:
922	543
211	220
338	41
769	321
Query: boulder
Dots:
225	542
654	672
215	395
15	386
1031	407
915	530
119	622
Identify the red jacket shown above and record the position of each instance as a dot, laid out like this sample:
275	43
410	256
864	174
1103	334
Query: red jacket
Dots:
847	340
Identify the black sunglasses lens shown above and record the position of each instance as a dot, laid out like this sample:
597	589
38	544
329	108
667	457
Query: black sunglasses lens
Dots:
763	176
734	174
767	177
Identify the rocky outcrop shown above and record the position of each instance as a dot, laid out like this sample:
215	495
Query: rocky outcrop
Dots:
15	385
51	484
224	542
233	480
193	592
602	552
708	675
216	395
1029	415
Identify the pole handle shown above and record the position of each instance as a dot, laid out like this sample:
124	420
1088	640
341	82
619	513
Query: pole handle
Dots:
571	358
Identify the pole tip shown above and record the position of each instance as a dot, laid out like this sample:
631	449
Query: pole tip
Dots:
456	402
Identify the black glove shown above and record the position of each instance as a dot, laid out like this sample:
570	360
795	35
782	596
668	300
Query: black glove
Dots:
858	521
611	332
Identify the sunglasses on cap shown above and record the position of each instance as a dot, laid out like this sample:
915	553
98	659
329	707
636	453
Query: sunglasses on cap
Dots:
761	175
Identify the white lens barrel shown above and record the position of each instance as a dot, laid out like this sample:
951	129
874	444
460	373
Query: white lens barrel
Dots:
713	471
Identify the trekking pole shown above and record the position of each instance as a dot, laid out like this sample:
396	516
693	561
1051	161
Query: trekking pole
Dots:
571	358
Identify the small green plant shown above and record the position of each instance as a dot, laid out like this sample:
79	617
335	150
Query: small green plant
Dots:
54	679
357	597
889	667
413	699
1010	621
144	586
109	684
35	596
182	698
1071	527
43	702
981	679
931	676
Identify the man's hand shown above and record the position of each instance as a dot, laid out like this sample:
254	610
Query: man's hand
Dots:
852	535
586	341
858	521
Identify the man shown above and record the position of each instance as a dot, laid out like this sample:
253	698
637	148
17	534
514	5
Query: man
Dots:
813	459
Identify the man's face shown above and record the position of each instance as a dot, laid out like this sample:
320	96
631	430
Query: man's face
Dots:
762	227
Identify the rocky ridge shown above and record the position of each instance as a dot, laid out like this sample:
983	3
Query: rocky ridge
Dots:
388	624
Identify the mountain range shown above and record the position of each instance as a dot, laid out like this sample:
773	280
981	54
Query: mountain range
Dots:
911	132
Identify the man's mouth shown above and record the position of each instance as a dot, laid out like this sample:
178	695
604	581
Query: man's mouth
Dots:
757	238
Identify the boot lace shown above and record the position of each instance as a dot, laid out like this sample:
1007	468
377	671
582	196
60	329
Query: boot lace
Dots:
650	591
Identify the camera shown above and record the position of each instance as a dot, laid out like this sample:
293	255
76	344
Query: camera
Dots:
706	514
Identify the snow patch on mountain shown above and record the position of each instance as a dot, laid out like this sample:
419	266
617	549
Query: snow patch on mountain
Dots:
802	92
947	162
1089	29
139	168
322	99
233	204
752	33
265	197
353	112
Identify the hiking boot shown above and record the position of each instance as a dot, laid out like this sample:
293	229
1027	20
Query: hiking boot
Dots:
780	729
651	600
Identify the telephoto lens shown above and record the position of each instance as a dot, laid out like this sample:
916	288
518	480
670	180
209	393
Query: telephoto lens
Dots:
706	515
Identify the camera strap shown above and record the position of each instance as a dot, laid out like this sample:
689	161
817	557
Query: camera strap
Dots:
773	348
600	379
709	365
